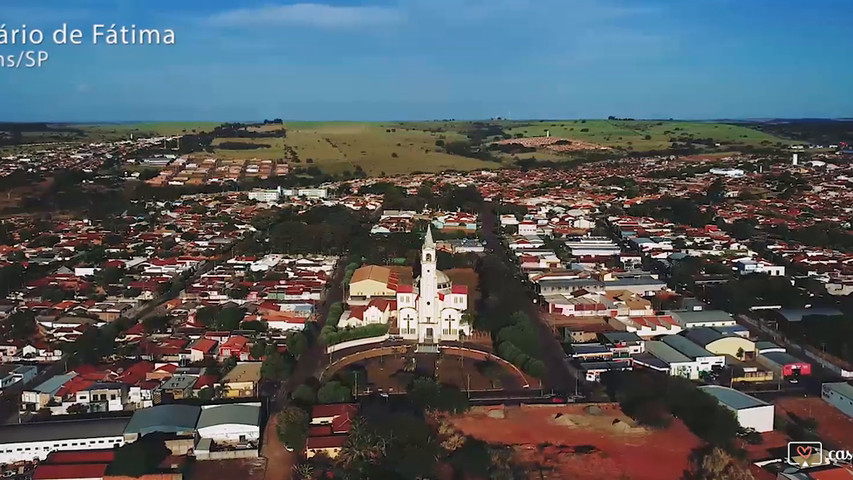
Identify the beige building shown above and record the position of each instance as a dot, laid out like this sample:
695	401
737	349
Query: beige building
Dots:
372	281
719	343
242	380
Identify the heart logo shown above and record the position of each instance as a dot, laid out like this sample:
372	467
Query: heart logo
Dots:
804	451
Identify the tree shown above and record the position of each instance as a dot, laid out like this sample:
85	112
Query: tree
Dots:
293	427
140	457
206	315
716	191
258	349
304	394
239	292
77	409
206	394
274	367
229	318
22	324
716	464
334	392
229	364
740	353
155	323
363	446
297	343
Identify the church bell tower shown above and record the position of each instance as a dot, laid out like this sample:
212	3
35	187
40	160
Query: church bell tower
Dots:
428	290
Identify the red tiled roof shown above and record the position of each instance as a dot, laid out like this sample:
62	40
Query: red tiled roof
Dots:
405	289
63	472
81	456
204	345
459	289
328	441
333	410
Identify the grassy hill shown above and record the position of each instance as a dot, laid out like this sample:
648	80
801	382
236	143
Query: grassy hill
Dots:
403	147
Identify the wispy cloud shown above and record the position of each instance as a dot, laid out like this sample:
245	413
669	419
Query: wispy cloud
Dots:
315	15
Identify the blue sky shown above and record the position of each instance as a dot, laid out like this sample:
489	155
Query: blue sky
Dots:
427	59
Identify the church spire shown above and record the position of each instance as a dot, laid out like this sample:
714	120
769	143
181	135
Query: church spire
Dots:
428	242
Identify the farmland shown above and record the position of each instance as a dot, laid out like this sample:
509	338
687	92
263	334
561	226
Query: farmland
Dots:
341	146
110	131
646	135
404	147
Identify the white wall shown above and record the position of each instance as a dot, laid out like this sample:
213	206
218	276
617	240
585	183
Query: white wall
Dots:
229	432
758	418
356	343
16	452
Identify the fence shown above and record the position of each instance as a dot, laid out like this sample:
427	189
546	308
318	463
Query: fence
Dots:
226	454
356	343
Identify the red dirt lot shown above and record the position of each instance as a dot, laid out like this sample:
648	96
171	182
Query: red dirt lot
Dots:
832	425
580	442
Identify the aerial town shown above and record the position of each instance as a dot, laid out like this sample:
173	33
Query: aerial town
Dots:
644	314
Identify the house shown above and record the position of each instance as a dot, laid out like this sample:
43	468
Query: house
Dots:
623	344
747	265
378	310
33	400
242	380
235	346
330	425
12	374
202	348
179	386
647	326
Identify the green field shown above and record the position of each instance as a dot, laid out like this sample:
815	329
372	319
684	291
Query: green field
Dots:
339	146
643	135
403	147
111	131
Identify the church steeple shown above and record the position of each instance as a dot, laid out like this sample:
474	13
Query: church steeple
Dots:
428	242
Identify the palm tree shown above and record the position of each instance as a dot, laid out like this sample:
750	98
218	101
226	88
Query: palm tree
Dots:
362	447
303	471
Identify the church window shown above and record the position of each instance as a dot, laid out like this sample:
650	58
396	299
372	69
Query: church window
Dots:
428	257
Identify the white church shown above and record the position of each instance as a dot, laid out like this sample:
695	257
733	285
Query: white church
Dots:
430	311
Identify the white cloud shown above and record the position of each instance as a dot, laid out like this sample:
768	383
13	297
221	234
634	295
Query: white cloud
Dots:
308	15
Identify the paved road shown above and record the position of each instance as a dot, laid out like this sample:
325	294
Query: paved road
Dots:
558	375
311	360
280	462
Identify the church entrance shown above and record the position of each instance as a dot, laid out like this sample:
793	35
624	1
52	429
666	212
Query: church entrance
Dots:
428	336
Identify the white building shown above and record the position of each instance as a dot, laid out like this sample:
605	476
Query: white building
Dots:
30	441
431	311
750	411
839	395
236	423
747	265
265	195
